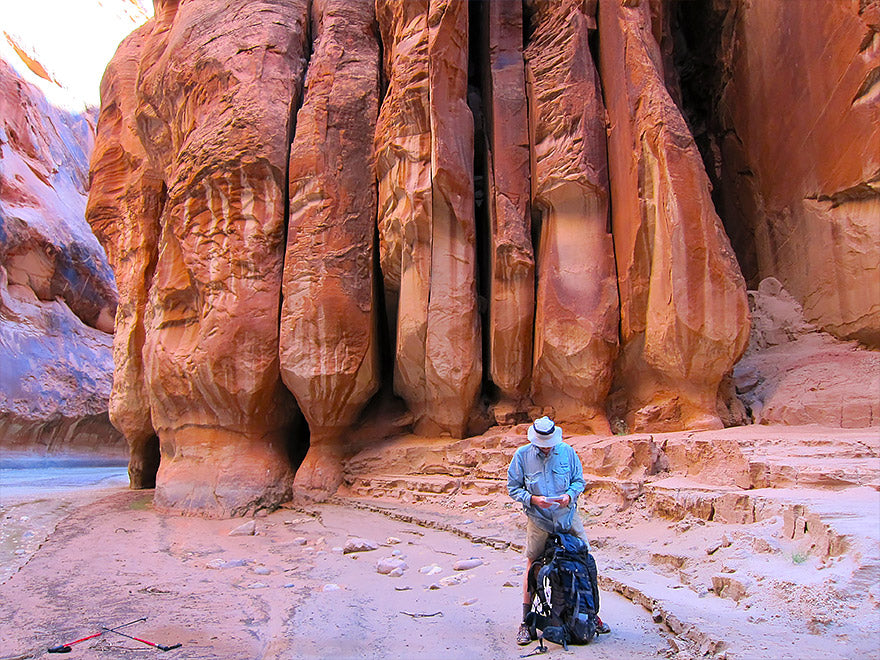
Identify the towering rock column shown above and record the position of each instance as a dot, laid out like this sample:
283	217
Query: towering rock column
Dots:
328	346
424	147
576	319
684	315
218	83
512	264
125	201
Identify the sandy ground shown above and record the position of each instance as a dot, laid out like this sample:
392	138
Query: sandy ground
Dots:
286	592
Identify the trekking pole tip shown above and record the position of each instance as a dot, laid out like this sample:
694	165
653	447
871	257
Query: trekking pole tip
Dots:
161	647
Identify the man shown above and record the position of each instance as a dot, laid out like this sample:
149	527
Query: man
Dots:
546	477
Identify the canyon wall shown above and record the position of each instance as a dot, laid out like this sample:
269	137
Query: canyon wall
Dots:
57	296
464	212
795	149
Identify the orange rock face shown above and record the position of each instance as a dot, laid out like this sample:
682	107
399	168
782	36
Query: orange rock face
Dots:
511	258
424	149
277	261
328	342
218	82
124	206
576	318
801	154
683	311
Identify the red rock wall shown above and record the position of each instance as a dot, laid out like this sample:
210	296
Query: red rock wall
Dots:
800	153
218	82
277	260
125	201
576	316
424	148
511	259
684	315
328	343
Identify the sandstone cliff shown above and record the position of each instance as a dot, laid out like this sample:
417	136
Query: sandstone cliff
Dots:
464	207
57	296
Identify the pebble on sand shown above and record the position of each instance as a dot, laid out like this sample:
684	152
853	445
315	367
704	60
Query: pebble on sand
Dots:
356	544
467	564
247	529
389	564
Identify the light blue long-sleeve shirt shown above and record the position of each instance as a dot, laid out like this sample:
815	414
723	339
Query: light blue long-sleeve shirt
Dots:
532	473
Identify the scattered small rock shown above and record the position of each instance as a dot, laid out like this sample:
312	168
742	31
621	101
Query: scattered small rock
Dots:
331	587
257	585
470	601
389	564
300	540
451	580
247	529
509	584
359	545
433	586
657	616
289	585
337	549
396	552
431	569
392	540
262	570
467	564
397	572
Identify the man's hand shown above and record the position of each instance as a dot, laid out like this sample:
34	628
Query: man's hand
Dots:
544	503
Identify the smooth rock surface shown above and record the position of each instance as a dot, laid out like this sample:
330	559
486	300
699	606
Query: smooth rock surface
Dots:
683	312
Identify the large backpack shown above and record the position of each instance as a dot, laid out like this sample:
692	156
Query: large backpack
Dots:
564	592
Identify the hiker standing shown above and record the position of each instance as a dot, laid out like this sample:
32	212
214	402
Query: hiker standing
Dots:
546	477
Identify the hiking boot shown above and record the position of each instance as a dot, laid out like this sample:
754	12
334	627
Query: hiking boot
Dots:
523	636
602	628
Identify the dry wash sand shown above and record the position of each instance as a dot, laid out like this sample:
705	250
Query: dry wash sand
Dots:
285	592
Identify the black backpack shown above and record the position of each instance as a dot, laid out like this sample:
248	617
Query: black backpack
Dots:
564	592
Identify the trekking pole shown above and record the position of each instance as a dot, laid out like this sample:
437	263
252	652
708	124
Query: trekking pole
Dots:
161	647
65	648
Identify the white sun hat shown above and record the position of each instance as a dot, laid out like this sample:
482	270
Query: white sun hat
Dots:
544	433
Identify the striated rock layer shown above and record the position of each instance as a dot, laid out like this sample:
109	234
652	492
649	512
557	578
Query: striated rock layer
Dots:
576	319
683	312
424	150
328	342
57	296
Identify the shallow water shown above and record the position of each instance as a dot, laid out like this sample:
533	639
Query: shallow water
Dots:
23	483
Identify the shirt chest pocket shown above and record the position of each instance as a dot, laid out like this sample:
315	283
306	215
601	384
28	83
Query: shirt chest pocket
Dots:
561	478
533	482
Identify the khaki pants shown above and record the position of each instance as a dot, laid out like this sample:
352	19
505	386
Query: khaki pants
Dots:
537	537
